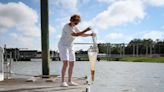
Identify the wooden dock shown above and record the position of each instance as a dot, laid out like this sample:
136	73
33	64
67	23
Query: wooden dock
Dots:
41	85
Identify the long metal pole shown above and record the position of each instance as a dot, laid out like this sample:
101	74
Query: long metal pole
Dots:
147	50
45	39
2	63
137	50
133	50
151	50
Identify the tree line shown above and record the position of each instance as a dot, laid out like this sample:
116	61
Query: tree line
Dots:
139	46
135	46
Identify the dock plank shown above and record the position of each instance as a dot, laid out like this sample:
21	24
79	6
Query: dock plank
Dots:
40	85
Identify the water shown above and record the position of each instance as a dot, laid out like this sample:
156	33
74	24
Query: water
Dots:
92	59
109	76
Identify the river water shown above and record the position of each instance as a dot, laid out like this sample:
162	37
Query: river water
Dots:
109	76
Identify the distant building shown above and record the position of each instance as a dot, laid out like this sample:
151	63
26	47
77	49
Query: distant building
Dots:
27	54
54	56
11	53
39	54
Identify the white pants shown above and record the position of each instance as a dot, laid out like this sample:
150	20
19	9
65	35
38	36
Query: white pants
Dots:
66	53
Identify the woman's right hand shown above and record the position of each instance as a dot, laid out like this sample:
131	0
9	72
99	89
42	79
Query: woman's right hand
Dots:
93	34
88	29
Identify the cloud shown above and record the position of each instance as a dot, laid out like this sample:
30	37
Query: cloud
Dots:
66	4
120	12
20	23
29	31
154	35
149	2
2	31
101	41
19	16
58	36
23	42
154	2
83	1
64	8
51	29
117	37
106	1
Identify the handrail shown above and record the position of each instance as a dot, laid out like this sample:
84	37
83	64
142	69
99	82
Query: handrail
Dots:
1	64
83	43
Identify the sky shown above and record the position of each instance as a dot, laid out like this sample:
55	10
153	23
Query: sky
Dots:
114	21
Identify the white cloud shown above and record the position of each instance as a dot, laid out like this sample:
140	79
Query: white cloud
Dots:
154	35
101	41
20	16
66	4
120	12
114	36
51	29
149	2
2	31
83	1
117	37
23	20
64	8
154	2
20	41
30	31
107	1
58	36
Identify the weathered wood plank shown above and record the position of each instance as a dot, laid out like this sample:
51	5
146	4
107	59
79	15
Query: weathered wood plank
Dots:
41	85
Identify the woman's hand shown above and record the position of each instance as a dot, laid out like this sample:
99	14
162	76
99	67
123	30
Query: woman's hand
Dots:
93	34
88	29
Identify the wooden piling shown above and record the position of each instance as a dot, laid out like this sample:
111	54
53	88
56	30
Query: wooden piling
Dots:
45	38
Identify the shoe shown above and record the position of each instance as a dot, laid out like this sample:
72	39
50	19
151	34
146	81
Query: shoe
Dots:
64	84
72	84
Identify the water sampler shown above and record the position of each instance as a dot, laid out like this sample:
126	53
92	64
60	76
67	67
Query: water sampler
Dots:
92	54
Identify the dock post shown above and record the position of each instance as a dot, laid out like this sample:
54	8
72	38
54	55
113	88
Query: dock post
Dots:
45	39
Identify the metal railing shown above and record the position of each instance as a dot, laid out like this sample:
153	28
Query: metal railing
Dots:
5	63
1	59
83	43
1	64
8	66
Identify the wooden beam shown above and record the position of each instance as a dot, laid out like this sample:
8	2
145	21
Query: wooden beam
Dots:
45	38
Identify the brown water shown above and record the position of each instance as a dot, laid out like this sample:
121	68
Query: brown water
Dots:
92	74
92	60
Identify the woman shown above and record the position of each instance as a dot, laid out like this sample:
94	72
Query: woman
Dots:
65	45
